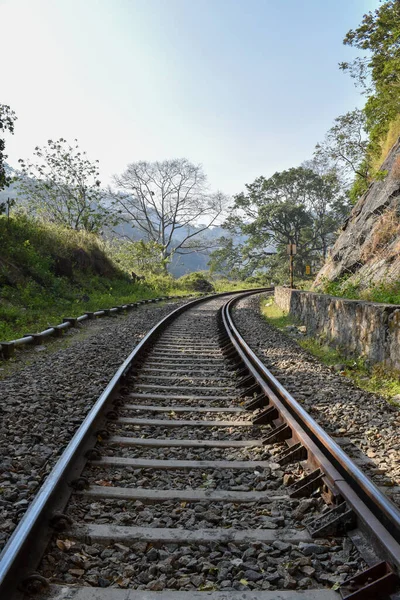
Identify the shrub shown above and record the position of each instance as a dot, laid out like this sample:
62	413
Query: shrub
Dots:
196	282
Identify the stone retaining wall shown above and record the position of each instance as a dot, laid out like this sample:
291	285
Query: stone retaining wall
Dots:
366	329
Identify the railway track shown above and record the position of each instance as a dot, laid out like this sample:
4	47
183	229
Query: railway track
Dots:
195	475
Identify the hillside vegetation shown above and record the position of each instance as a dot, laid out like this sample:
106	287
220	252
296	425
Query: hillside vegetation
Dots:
48	272
365	259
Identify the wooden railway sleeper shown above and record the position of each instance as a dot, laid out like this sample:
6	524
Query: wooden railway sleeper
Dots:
226	347
238	364
223	337
230	353
241	372
245	381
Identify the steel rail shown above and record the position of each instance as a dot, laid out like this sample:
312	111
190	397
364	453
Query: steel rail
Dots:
27	543
380	518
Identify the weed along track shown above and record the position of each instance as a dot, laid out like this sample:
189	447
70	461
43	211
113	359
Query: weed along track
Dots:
196	475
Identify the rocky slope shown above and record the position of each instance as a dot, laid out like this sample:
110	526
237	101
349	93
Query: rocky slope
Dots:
367	250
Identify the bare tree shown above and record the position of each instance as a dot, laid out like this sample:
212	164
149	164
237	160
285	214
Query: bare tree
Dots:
166	201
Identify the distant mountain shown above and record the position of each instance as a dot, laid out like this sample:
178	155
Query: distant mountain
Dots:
181	263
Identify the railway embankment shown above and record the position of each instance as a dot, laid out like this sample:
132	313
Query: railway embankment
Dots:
367	329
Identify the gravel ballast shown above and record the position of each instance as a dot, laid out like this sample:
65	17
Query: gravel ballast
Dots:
46	393
211	479
204	567
206	526
271	514
364	424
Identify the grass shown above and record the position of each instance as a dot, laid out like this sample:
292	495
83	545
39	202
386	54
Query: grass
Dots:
275	315
48	272
376	379
391	138
31	308
35	311
385	293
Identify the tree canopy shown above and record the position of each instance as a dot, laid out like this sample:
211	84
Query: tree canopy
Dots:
346	144
298	206
63	186
378	71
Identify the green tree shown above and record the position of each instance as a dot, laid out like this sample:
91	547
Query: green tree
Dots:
378	72
63	187
298	206
229	259
345	146
138	256
7	118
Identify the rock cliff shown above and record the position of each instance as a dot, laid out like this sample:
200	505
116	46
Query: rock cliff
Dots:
367	250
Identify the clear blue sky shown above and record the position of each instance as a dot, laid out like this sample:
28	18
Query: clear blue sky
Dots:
245	87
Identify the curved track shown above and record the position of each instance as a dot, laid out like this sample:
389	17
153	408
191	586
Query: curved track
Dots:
197	472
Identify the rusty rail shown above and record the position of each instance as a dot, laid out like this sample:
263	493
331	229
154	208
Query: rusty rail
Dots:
377	516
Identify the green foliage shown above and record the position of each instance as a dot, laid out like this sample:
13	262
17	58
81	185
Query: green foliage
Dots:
34	294
196	281
378	74
275	315
7	118
386	144
143	258
386	293
346	145
342	287
227	260
63	187
376	379
32	308
300	206
32	290
224	284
